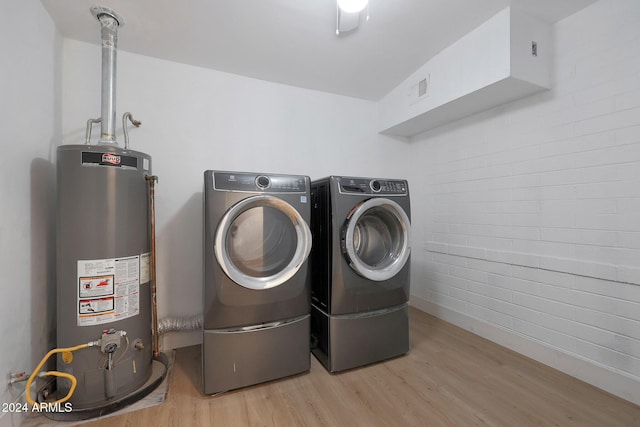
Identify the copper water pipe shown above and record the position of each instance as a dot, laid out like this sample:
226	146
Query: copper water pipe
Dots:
152	213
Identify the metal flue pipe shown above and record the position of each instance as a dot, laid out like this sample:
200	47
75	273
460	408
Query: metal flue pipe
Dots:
109	22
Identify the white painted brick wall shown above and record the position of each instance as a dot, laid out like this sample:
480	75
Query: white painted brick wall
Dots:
529	214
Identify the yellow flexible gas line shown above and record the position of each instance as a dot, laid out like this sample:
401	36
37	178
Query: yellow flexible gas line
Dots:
54	373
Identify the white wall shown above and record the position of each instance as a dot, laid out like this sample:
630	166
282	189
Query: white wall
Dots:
30	123
196	119
527	224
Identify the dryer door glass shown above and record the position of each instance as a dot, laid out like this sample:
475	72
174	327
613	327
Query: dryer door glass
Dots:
376	241
261	242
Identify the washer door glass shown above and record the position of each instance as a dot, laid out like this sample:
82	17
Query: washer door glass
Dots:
261	242
376	239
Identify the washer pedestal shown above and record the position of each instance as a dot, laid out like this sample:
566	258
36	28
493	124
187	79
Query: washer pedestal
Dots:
353	340
251	355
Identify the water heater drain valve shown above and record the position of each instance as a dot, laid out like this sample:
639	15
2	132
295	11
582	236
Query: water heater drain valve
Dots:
111	340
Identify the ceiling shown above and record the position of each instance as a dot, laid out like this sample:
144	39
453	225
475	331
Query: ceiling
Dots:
294	41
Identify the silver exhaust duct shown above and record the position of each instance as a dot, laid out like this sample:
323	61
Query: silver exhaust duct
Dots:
109	22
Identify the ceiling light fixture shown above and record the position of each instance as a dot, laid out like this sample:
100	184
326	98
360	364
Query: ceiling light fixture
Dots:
352	6
348	14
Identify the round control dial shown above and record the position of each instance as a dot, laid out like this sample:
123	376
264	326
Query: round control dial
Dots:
263	182
375	185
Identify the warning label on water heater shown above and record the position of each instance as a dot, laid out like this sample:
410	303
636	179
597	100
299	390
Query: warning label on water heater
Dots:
108	289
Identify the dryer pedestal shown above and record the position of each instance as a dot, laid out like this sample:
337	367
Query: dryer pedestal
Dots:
247	356
348	341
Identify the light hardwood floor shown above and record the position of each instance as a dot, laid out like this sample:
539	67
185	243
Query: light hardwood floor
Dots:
449	378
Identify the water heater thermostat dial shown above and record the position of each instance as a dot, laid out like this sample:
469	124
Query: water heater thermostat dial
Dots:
110	340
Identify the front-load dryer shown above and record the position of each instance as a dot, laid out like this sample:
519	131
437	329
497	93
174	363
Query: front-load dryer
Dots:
256	278
360	270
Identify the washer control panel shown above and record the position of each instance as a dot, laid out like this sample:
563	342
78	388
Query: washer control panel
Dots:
247	181
373	186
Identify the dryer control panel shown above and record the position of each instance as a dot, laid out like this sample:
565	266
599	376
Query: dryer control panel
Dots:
252	182
373	186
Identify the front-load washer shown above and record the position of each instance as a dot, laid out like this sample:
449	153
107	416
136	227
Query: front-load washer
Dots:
256	278
360	272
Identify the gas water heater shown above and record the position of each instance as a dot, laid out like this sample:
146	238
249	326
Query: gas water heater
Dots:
104	295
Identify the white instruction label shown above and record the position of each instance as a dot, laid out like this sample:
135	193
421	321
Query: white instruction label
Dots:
108	289
145	267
